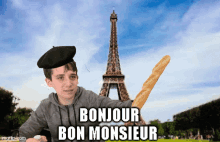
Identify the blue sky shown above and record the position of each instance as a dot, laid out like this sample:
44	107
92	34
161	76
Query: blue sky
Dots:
188	31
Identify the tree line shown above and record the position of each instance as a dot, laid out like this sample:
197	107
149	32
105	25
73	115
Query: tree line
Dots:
170	128
204	118
10	117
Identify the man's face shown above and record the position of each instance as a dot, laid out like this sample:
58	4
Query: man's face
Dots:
64	82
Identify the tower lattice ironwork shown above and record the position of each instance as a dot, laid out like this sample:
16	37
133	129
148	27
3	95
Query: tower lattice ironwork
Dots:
113	78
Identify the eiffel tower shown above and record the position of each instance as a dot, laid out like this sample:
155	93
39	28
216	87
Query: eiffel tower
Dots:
113	78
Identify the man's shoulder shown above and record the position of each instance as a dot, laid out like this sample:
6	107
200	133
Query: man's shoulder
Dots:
84	91
46	106
46	101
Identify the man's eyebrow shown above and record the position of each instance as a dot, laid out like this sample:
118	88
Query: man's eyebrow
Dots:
59	75
73	73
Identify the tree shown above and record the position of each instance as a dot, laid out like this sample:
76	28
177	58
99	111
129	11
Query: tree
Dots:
166	129
155	122
19	117
176	133
202	118
171	126
160	130
6	102
217	135
9	118
182	134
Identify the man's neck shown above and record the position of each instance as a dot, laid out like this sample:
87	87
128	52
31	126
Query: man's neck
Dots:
65	101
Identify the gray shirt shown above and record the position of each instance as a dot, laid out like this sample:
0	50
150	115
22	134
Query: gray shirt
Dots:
50	114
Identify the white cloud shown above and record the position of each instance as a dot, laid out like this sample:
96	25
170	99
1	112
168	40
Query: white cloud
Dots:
18	4
194	55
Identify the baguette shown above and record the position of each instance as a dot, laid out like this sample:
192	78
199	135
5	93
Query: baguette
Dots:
148	85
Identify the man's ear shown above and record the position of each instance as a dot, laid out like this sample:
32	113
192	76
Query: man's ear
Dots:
48	81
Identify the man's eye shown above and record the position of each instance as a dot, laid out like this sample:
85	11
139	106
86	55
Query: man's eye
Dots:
60	78
73	76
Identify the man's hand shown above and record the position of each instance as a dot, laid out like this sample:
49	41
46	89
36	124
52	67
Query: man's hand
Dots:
131	124
42	139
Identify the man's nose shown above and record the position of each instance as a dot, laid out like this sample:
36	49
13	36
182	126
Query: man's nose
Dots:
68	82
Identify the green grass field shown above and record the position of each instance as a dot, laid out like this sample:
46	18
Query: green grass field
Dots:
160	140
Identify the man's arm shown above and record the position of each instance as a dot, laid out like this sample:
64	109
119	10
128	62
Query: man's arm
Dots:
101	101
106	102
35	123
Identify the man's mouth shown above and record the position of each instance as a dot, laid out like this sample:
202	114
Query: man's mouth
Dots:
68	90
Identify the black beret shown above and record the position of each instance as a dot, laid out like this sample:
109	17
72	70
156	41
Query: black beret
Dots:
56	57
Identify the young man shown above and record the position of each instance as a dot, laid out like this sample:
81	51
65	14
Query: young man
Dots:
62	108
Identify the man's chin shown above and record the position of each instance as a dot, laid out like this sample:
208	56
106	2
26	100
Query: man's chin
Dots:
67	95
